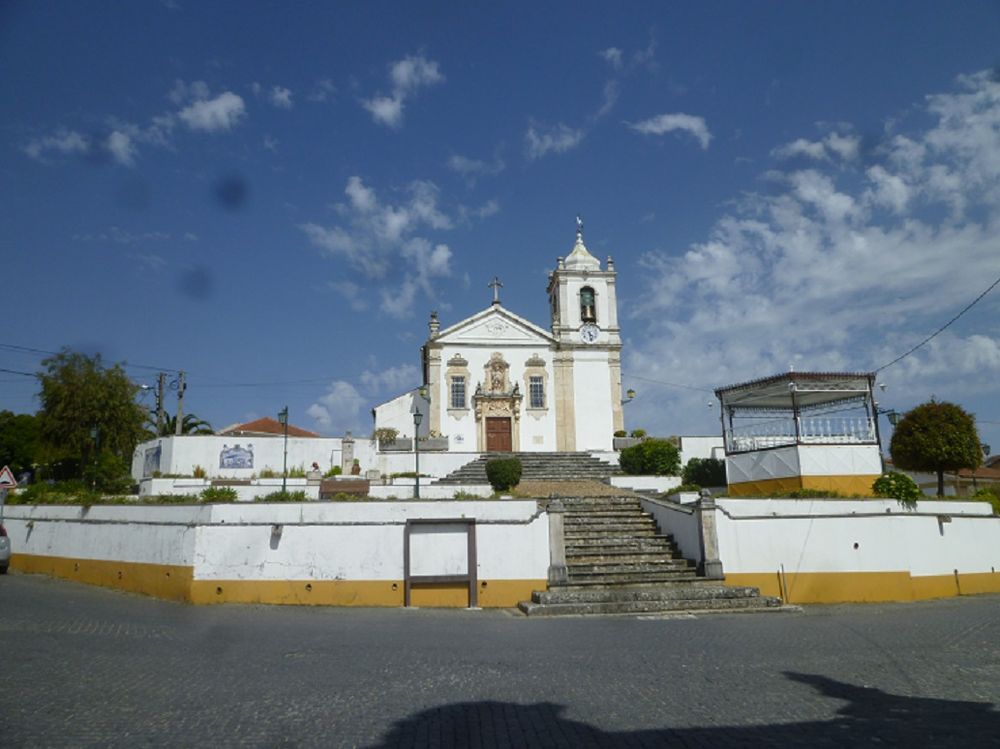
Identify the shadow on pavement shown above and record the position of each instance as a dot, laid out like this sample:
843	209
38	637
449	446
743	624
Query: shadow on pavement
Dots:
870	717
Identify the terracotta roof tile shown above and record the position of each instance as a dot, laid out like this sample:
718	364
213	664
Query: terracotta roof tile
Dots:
267	425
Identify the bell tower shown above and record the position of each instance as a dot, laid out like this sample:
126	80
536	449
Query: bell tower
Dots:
587	357
582	298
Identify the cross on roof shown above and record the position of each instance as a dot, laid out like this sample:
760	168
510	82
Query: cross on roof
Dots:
496	286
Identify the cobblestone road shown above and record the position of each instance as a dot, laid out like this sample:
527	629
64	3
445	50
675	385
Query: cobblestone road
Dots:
82	666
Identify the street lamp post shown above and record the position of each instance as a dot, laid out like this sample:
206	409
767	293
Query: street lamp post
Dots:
283	419
417	418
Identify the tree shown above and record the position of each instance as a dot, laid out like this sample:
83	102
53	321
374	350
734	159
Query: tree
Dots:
704	472
19	441
652	457
88	408
936	437
190	424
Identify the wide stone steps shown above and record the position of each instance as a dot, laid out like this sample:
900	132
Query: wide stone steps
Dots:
619	562
536	467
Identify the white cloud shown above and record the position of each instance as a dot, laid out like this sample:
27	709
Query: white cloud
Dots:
378	238
63	142
415	71
665	123
392	380
844	147
323	90
281	97
408	76
122	149
841	266
339	408
183	92
387	110
558	139
271	144
613	56
610	98
472	169
214	115
351	292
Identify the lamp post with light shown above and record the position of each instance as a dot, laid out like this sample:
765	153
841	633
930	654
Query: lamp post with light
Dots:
283	420
417	418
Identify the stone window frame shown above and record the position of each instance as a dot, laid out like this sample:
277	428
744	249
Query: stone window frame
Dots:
536	367
457	366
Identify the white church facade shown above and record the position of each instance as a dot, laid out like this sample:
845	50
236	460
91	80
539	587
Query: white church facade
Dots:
497	382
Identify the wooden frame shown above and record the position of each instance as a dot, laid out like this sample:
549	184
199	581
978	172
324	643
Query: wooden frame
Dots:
471	576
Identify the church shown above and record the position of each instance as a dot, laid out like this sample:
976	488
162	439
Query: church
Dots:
498	382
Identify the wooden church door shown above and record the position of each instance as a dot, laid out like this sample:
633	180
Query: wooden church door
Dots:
498	434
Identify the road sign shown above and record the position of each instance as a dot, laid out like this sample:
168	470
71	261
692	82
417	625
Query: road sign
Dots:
7	480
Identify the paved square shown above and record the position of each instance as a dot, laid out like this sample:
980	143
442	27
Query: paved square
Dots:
82	666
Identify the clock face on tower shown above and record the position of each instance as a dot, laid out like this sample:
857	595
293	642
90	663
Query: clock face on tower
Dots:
589	332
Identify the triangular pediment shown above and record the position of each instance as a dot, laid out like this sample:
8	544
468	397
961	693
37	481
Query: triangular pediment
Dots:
495	325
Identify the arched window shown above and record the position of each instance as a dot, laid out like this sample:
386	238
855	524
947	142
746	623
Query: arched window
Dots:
588	312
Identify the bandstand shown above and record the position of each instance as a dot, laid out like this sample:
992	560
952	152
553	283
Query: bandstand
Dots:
801	430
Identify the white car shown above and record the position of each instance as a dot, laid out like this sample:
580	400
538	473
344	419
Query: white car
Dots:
4	550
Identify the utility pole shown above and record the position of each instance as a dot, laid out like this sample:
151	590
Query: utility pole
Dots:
181	387
161	385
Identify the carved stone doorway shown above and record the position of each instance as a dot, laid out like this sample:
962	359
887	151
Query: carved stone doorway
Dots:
498	435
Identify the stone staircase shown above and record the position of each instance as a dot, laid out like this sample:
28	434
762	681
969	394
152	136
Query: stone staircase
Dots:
619	563
537	467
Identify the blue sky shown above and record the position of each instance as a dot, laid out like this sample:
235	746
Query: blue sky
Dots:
273	196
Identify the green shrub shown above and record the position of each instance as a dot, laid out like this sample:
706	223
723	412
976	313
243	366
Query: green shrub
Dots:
218	494
989	494
73	492
812	494
621	433
385	435
651	457
705	471
269	473
299	496
198	472
335	471
503	473
297	472
685	487
898	486
108	474
465	495
637	433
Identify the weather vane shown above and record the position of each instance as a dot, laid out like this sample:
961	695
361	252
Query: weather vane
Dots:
496	286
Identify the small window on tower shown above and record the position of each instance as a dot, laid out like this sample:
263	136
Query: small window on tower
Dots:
588	312
458	392
536	395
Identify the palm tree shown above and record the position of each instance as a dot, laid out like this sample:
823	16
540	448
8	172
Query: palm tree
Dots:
190	424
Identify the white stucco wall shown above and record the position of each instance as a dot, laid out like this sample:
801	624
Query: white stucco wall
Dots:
820	536
180	455
592	400
398	414
702	448
322	541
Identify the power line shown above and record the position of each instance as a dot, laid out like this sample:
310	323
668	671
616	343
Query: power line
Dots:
969	306
671	384
126	365
14	371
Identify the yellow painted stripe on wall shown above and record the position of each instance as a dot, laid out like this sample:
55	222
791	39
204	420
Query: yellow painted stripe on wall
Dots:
847	485
177	583
491	593
864	587
172	582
